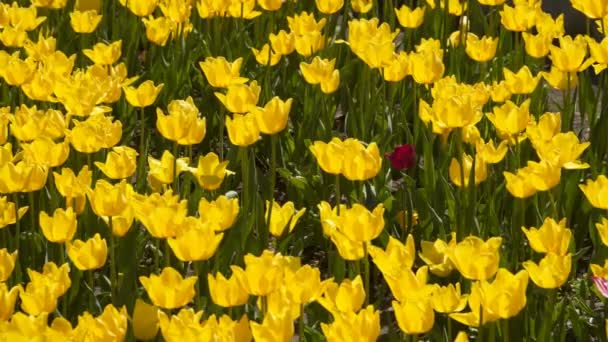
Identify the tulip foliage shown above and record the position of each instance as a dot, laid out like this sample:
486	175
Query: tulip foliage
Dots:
341	170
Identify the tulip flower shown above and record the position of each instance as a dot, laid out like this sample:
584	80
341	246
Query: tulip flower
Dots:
8	298
272	118
222	211
59	228
144	95
240	98
227	292
220	73
7	263
479	313
563	150
505	285
109	200
183	124
551	272
596	192
602	229
197	241
519	18
521	82
273	328
141	8
120	163
351	326
410	18
414	316
169	290
282	43
158	30
348	296
104	54
45	151
7	212
88	255
59	277
481	170
145	320
323	72
434	255
396	257
281	216
537	46
448	299
551	237
161	215
403	157
85	22
599	271
243	130
265	56
476	259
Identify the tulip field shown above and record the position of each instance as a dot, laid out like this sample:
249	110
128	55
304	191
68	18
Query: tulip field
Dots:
299	170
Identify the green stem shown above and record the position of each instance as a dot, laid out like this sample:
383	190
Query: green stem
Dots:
142	153
91	281
366	274
338	195
197	274
113	282
302	336
273	176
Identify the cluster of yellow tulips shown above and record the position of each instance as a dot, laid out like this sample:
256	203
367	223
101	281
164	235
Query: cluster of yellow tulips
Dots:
202	170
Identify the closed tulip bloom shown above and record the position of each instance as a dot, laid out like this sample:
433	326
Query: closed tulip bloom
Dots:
17	71
270	5
551	272
542	176
348	296
409	18
304	285
398	68
273	117
434	255
491	154
396	257
323	72
210	172
600	271
7	212
281	216
144	95
165	170
8	298
362	326
448	299
227	292
120	224
59	228
329	6
596	192
88	255
169	290
59	277
414	316
243	130
427	67
142	8
599	53
197	241
240	98
109	200
570	54
362	6
222	211
548	126
563	150
481	170
85	22
220	73
13	37
602	229
551	237
158	30
273	329
537	45
330	156
7	264
25	176
265	56
104	54
476	259
282	43
521	82
145	320
262	275
183	326
481	49
120	163
182	125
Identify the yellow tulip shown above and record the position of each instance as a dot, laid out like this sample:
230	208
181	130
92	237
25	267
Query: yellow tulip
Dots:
560	80
88	255
396	257
481	49
551	237
59	228
548	126
600	271
410	18
329	6
414	316
59	277
362	6
69	185
521	82
351	326
144	95
281	216
506	295
85	21
165	170
120	224
510	120
104	54
346	297
169	290
434	255
272	118
222	211
96	132
596	192
7	300
323	72
282	43
261	277
479	313
7	263
120	163
197	241
227	292
570	55
240	98
161	215
360	163
158	30
551	272
563	150
141	8
145	320
491	154
243	130
38	298
481	170
210	172
220	73
183	124
537	46
474	258
265	56
519	18
398	68
448	299
7	212
109	200
273	329
592	9
602	228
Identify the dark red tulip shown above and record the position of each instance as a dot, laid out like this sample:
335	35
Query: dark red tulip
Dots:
403	157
